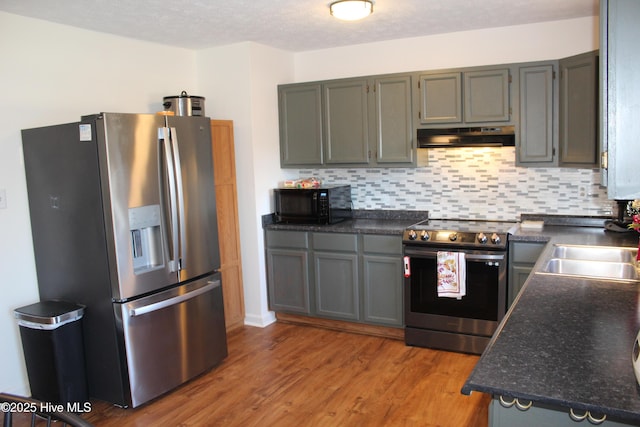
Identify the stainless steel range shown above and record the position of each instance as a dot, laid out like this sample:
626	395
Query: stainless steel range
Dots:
455	283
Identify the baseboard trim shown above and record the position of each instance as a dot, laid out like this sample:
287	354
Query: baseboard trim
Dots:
339	325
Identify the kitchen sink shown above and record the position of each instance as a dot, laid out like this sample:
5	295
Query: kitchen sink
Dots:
595	253
588	268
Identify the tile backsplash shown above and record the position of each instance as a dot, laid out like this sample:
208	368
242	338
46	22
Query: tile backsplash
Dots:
473	182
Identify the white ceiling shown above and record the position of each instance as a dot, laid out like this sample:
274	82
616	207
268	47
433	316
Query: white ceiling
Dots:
293	25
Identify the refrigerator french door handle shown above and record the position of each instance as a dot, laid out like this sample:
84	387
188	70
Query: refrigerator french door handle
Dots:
145	309
180	197
173	209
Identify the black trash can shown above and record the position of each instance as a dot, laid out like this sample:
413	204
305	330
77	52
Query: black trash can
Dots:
51	334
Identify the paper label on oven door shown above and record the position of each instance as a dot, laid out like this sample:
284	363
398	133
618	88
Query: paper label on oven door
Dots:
407	269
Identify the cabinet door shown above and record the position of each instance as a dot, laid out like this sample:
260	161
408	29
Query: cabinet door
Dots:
300	116
536	130
579	110
346	121
620	60
522	258
288	275
228	225
517	276
335	260
536	416
486	96
440	98
394	130
383	289
336	281
288	278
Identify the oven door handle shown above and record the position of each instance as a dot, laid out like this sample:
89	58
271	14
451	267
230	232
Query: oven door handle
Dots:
422	253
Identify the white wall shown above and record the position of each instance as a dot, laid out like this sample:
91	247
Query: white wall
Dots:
522	43
54	74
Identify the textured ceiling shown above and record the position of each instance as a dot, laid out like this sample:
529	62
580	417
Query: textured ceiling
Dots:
293	25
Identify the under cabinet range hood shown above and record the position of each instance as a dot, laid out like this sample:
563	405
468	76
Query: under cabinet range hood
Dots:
495	136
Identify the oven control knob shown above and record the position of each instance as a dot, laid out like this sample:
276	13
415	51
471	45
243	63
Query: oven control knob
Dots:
453	237
495	239
424	235
482	238
412	235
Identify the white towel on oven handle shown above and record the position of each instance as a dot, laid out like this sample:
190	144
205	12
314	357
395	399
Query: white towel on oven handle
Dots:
451	267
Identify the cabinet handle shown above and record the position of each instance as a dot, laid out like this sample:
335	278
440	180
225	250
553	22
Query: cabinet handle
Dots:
577	418
507	404
596	421
523	407
588	416
516	402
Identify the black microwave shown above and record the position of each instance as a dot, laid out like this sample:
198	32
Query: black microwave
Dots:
326	205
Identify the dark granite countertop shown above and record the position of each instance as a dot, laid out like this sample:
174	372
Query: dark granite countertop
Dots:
567	341
363	222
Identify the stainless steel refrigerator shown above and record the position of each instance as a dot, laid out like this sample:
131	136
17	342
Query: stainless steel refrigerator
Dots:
123	218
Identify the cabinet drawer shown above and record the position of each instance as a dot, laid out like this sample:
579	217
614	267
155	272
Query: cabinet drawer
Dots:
523	252
287	239
335	242
382	244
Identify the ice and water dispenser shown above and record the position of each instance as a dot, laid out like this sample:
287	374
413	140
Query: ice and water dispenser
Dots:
146	238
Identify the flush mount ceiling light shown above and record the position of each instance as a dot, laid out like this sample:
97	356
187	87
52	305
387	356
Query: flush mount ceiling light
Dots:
351	10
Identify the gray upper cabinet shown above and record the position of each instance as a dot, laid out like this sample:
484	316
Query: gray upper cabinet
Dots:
440	98
300	117
536	130
393	127
579	111
620	124
346	124
557	112
486	96
358	122
468	96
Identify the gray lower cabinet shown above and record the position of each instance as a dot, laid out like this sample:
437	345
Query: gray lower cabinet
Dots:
558	109
335	260
288	274
620	91
536	416
522	258
383	280
340	276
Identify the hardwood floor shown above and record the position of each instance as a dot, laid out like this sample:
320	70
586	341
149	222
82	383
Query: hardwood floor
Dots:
291	375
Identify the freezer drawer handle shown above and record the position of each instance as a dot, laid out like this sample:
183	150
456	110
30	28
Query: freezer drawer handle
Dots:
139	311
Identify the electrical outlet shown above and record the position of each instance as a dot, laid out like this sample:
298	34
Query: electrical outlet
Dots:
3	198
582	191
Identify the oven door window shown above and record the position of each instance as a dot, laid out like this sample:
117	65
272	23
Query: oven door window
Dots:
480	301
